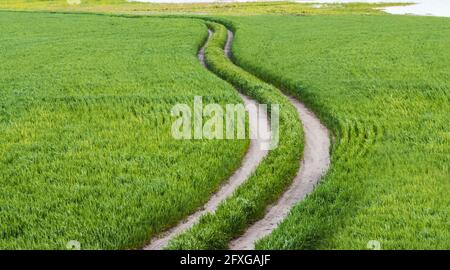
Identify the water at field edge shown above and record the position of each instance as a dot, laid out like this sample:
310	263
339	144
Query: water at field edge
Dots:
439	8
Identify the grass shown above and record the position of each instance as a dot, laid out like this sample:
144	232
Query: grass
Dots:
385	94
86	151
275	172
84	124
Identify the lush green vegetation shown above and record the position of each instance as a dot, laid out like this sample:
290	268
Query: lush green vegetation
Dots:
382	84
86	151
214	231
85	145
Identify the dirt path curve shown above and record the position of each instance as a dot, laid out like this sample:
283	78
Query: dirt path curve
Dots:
251	160
315	163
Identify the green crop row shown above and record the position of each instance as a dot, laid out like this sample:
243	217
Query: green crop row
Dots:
86	151
382	85
274	174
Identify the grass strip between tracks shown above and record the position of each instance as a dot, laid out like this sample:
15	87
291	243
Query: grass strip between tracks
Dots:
275	173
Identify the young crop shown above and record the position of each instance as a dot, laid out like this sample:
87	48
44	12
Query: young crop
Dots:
272	176
86	150
382	84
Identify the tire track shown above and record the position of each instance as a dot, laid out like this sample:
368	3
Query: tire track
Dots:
315	163
250	162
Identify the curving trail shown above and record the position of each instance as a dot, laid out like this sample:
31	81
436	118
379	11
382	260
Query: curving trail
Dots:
315	163
251	160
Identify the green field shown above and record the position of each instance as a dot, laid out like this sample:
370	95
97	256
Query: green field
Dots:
270	179
382	84
87	154
86	151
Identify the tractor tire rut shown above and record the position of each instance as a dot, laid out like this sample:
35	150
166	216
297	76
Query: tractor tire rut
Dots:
315	163
254	155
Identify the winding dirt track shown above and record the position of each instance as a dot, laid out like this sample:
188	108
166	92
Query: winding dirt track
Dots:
315	163
251	160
